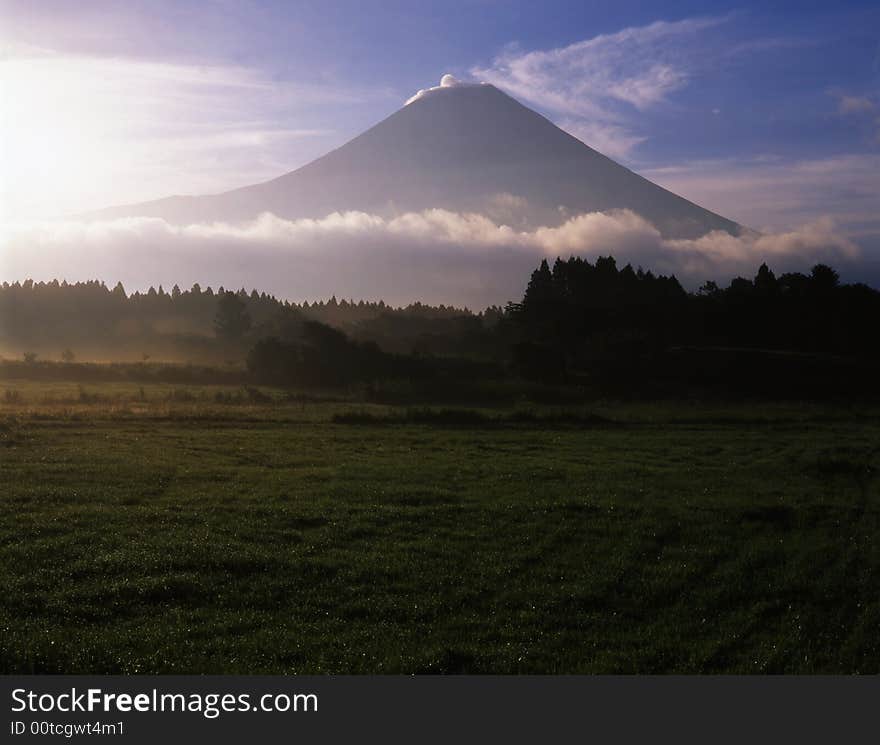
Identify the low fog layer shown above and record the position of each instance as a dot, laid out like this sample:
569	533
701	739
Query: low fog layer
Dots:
435	255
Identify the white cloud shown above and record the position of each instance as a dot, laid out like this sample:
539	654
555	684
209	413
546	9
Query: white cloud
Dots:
434	255
649	88
861	110
596	83
612	140
446	82
772	194
854	104
721	252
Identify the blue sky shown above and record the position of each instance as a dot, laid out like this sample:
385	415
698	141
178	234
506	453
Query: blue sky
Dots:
766	112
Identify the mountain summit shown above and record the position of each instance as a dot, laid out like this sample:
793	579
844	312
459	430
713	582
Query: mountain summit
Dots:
466	147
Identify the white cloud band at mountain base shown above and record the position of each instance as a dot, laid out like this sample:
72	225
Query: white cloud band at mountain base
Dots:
433	255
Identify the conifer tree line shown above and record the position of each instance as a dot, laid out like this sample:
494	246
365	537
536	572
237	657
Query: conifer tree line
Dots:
89	320
575	316
628	330
576	301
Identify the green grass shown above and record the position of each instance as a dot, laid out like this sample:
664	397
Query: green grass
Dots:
160	532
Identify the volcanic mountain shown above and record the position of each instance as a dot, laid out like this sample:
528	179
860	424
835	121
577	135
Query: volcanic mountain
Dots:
462	147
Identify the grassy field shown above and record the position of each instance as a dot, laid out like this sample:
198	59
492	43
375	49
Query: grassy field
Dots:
225	530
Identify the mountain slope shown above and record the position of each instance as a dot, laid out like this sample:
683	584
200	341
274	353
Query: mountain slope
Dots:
467	148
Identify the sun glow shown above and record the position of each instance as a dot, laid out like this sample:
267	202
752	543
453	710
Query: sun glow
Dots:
62	134
85	132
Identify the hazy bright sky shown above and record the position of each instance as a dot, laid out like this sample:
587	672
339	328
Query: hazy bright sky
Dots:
766	112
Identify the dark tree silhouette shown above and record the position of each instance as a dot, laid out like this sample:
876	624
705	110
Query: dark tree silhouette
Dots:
232	320
582	323
823	278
